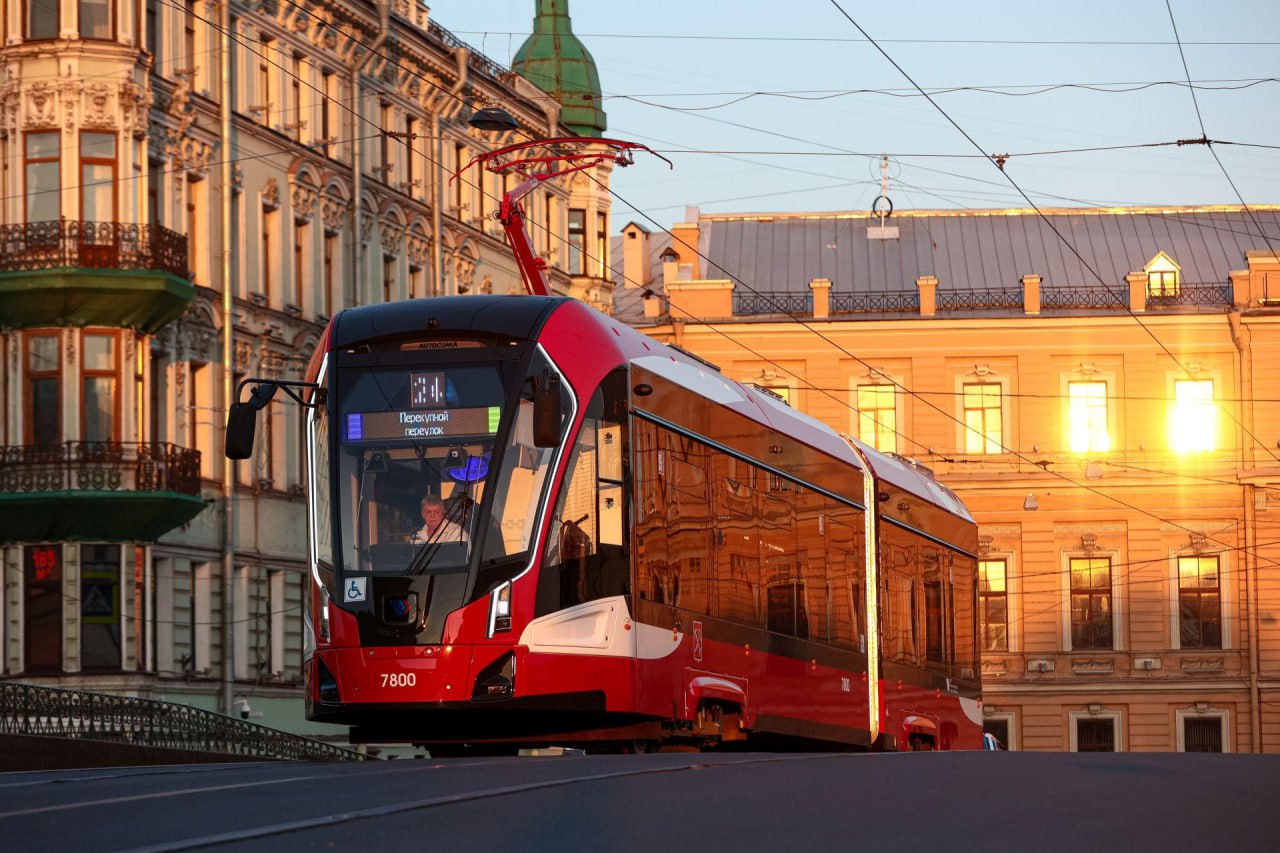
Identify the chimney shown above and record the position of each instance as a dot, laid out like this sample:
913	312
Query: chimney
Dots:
635	256
686	242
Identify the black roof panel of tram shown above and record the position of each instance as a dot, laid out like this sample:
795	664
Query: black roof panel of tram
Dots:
514	316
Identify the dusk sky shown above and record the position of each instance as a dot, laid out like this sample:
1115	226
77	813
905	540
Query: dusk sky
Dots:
669	71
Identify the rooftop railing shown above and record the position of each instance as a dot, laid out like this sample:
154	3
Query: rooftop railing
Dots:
26	246
99	466
772	302
980	299
29	709
874	302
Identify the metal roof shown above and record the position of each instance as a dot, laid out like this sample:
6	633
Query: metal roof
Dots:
975	249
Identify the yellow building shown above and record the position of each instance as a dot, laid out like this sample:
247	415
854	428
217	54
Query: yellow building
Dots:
1101	403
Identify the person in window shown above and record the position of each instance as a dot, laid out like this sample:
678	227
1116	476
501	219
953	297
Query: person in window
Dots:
436	528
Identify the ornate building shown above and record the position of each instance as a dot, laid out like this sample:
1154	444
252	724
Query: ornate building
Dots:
1114	436
332	158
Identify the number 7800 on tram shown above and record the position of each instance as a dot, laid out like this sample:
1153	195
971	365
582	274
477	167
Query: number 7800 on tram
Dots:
530	524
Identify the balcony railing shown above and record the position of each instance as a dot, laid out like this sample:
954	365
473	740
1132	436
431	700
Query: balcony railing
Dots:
874	302
99	466
27	709
1193	293
773	302
475	58
979	299
92	245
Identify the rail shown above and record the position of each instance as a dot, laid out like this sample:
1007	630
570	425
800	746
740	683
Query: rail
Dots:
99	466
979	299
30	709
874	302
1193	293
477	60
773	302
27	246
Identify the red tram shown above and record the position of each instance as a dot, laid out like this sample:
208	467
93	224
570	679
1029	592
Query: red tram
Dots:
531	524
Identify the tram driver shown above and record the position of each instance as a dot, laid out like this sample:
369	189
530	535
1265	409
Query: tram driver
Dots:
436	528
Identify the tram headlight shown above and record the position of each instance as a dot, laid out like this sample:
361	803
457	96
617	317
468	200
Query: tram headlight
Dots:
500	610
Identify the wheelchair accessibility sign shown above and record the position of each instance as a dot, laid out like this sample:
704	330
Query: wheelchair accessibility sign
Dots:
355	589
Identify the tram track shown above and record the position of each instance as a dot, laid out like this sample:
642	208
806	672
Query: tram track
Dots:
338	818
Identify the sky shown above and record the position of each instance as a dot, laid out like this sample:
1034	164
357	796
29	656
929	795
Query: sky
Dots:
670	70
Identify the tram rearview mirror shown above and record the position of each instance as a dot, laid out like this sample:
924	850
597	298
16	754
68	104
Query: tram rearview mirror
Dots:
242	422
546	414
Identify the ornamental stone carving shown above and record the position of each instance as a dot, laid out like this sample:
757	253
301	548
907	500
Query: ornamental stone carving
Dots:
391	235
333	210
136	102
271	195
42	106
418	249
99	112
304	201
10	103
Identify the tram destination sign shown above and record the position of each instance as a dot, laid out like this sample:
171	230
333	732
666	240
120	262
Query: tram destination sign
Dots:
434	423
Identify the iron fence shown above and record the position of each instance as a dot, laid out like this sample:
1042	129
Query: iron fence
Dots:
979	299
874	302
475	58
1096	297
1193	293
28	246
101	466
29	709
773	302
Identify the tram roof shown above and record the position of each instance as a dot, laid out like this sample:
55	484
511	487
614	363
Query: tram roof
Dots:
515	316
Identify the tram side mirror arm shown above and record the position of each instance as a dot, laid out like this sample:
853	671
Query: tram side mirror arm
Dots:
546	412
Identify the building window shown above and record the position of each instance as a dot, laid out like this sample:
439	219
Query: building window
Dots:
1203	729
43	178
266	93
189	40
153	32
100	378
1095	734
878	417
1087	406
1164	277
326	296
1199	603
277	609
388	278
998	728
984	431
96	19
42	19
42	608
602	245
993	606
44	389
460	183
1193	421
577	240
301	269
270	243
1201	734
329	87
411	176
1091	619
98	177
100	607
297	122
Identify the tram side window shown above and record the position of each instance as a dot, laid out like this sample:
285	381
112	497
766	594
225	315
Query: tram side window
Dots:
935	610
586	555
846	568
812	562
786	612
963	574
736	574
689	521
900	604
656	581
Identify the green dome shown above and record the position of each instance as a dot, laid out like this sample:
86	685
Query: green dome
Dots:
555	61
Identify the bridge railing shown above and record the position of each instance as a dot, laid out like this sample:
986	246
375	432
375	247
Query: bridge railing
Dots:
29	709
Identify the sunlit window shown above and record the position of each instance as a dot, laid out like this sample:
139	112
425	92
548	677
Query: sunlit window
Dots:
1087	409
984	429
993	606
1193	420
878	417
1163	276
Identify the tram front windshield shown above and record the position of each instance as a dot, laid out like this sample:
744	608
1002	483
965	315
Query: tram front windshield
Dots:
416	457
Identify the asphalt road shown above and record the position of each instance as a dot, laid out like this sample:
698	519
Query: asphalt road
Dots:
665	802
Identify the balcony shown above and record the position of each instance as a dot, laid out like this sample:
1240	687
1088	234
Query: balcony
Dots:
71	273
94	491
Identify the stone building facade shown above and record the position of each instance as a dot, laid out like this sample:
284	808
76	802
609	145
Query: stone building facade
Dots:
347	122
